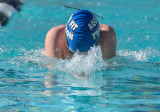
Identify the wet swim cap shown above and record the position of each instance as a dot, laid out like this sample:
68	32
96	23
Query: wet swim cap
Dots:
82	31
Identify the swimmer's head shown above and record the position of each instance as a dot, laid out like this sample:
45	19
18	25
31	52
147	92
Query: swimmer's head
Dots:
82	31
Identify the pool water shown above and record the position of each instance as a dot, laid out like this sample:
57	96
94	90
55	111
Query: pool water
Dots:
129	82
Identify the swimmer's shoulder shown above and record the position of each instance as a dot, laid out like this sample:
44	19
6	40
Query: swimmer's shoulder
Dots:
56	30
55	33
104	27
54	41
108	31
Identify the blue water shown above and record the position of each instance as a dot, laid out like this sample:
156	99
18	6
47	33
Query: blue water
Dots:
130	82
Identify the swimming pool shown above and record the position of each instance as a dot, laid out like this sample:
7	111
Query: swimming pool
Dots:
130	82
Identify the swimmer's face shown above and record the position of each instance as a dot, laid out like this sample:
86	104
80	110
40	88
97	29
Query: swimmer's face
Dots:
82	53
79	53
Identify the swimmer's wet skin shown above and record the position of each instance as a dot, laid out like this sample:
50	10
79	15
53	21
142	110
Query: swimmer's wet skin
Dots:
81	32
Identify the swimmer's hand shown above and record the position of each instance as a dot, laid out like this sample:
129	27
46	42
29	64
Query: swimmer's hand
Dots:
81	75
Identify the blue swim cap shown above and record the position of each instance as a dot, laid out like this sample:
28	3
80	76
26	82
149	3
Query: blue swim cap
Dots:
82	31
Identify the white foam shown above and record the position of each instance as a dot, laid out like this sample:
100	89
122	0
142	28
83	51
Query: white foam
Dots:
137	55
79	64
86	63
1	50
140	55
25	57
82	65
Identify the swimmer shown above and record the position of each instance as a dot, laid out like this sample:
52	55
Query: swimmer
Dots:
81	32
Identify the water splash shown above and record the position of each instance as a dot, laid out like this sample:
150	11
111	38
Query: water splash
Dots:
144	59
145	55
147	58
1	50
86	63
28	59
80	66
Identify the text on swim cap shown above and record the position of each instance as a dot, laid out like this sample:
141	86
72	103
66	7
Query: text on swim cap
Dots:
96	34
69	34
73	25
93	23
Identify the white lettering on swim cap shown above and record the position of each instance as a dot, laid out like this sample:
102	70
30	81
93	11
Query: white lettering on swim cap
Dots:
73	25
96	33
69	34
93	23
90	26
